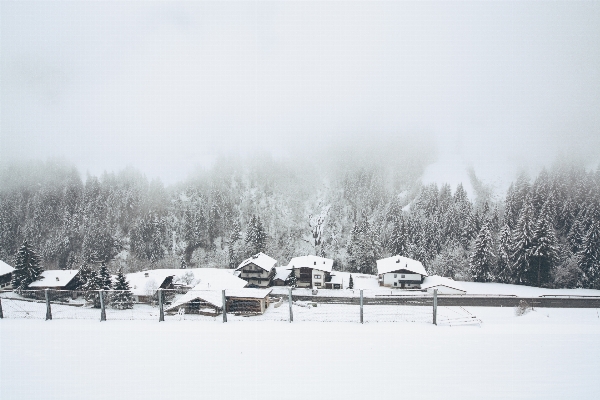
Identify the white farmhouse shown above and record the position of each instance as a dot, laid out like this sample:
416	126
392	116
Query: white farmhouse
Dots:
400	272
443	285
311	271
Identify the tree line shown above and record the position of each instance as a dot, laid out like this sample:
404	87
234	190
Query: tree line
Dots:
544	231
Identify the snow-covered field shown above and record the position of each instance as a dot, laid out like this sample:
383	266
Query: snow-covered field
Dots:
544	354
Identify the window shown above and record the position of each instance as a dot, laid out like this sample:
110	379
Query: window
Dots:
317	276
395	283
317	283
395	275
401	276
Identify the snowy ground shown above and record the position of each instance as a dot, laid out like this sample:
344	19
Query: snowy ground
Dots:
544	354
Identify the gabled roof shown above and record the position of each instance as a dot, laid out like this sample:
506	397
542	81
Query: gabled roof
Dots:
215	297
5	268
435	280
315	262
55	278
337	279
398	262
282	273
145	283
205	278
261	259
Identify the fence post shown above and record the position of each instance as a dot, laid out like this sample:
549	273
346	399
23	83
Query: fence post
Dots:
290	301
161	312
102	309
361	306
1	313
224	306
48	309
435	306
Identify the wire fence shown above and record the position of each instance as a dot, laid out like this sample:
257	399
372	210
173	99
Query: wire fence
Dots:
231	305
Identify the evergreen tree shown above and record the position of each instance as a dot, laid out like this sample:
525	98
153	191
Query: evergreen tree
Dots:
104	278
27	268
503	270
523	238
589	258
292	280
544	251
397	243
351	283
86	273
256	238
362	249
483	259
122	297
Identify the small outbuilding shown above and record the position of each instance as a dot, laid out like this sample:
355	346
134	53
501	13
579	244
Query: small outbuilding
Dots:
5	275
281	275
443	285
241	301
400	272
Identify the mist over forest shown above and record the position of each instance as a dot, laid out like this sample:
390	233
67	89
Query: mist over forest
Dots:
543	231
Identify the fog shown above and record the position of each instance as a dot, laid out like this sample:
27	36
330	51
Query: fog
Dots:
169	87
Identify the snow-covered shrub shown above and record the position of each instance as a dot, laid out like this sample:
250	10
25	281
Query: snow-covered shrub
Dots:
522	309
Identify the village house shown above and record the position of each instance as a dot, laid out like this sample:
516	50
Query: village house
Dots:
57	279
257	270
443	285
311	271
336	282
144	284
5	275
400	272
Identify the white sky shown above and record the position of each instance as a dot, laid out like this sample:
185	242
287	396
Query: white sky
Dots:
166	87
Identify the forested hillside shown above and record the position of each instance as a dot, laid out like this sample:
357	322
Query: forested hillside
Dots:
545	231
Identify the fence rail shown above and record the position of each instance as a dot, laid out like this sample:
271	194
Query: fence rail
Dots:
215	305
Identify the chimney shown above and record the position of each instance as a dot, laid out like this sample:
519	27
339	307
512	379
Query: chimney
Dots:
57	279
397	261
146	274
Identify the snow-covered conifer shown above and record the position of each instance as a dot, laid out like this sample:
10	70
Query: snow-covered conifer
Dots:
351	282
27	267
523	237
589	257
544	251
483	259
122	297
292	280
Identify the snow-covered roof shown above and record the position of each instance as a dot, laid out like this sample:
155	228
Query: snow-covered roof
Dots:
315	262
261	259
215	297
5	268
395	263
205	278
436	280
55	278
337	279
282	273
145	283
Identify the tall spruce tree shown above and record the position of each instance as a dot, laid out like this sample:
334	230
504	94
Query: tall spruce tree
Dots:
256	238
104	278
292	280
122	297
589	258
27	267
351	282
544	251
504	273
523	238
483	259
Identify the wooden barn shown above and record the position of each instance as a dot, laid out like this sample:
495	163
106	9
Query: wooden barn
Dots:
242	301
400	272
57	279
